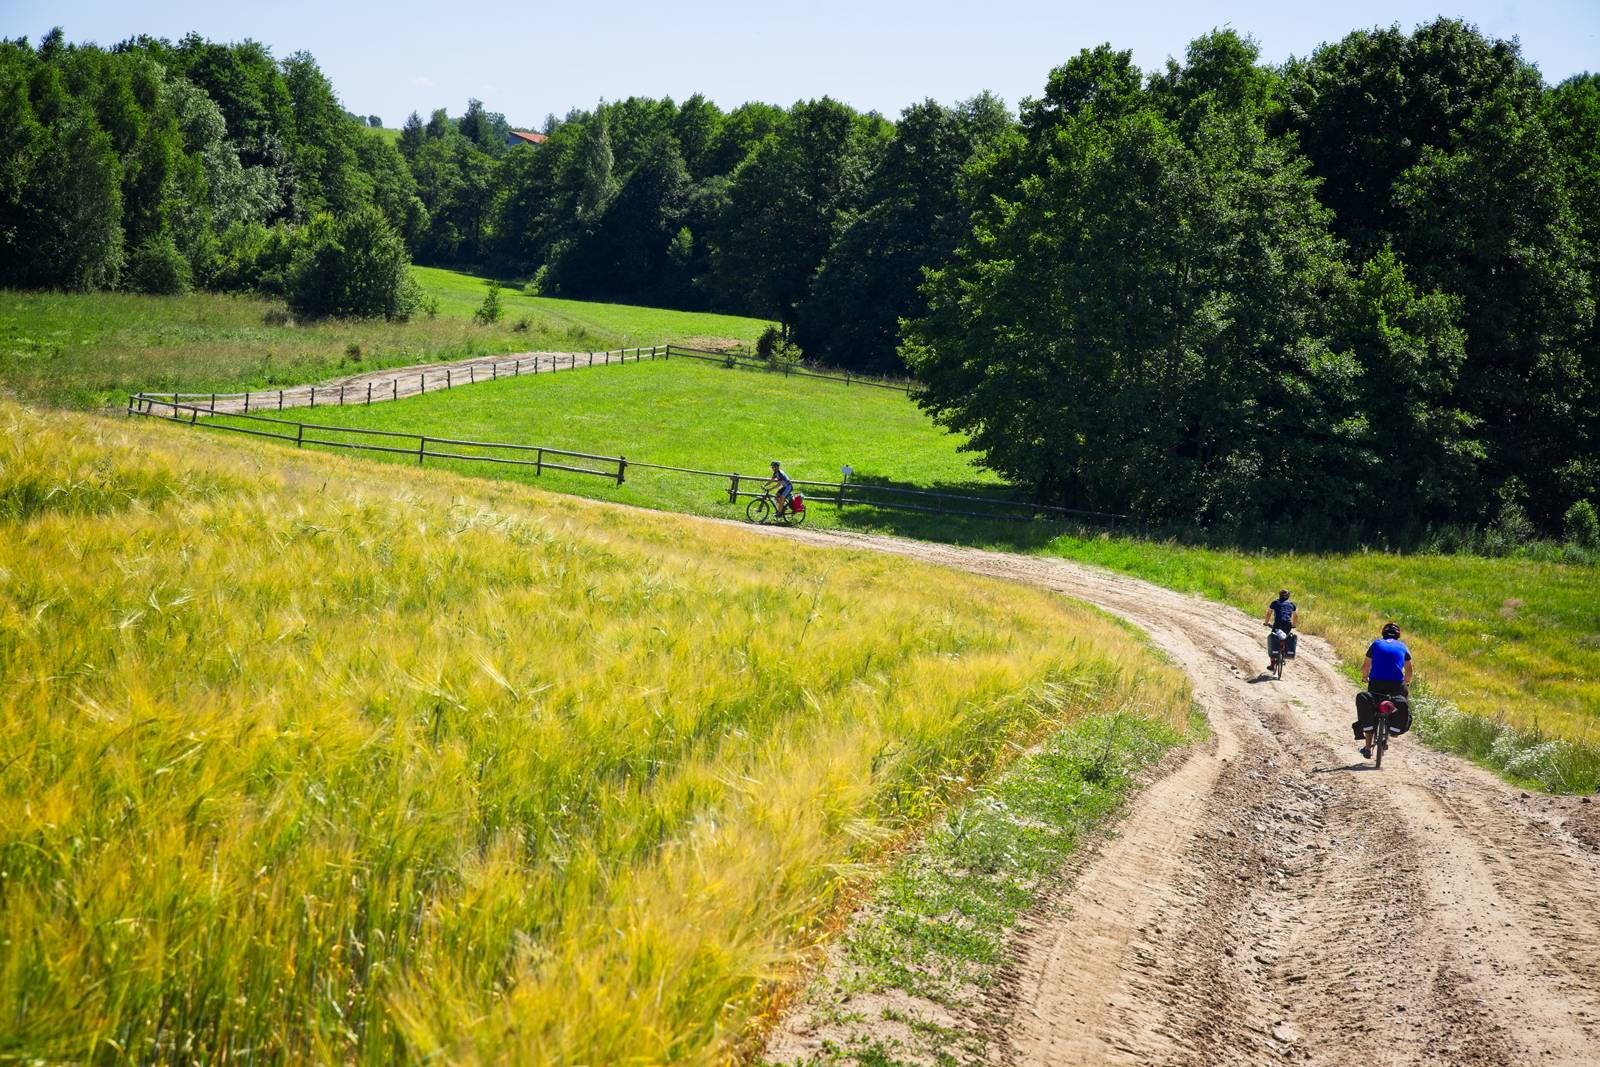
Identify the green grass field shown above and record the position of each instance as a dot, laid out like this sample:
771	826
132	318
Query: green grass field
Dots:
688	413
305	761
89	350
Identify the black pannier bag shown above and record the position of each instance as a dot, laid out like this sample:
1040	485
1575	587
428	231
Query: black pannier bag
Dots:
1289	648
1367	713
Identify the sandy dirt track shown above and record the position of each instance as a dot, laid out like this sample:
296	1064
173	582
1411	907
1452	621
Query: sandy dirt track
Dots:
1274	899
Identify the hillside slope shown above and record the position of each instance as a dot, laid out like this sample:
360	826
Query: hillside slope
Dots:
309	760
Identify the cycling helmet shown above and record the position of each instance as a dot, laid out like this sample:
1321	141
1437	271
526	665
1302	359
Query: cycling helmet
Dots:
1391	631
1283	594
775	463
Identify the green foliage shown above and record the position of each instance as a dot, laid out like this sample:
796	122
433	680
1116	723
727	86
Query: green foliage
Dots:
157	266
1581	526
786	200
912	217
354	266
489	312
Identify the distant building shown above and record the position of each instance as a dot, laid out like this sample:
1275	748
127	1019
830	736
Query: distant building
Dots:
516	137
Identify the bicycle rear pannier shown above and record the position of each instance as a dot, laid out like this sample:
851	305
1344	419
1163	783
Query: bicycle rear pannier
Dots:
796	503
1367	713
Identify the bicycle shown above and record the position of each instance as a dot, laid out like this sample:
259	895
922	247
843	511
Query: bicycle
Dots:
765	508
1380	735
1279	657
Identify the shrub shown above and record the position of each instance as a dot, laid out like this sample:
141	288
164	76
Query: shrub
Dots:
354	266
430	306
521	325
769	342
353	351
1582	526
156	266
491	310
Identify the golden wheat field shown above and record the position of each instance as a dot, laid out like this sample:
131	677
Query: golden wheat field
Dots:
309	758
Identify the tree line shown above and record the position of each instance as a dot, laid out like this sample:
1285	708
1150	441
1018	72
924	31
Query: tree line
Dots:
1355	289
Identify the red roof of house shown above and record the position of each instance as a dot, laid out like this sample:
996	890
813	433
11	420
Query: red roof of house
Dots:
531	138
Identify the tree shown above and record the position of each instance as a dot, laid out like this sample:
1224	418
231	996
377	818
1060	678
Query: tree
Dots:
351	267
374	122
912	219
1433	144
785	201
1139	319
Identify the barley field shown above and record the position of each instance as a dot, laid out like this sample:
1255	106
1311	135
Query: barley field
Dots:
308	760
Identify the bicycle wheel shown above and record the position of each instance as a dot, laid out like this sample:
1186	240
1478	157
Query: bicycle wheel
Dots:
1379	744
1277	667
759	510
795	518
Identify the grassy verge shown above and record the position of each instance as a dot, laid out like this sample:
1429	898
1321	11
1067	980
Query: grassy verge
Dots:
686	413
1510	646
906	982
90	350
305	764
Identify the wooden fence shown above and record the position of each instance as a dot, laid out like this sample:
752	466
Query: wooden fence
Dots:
612	468
363	393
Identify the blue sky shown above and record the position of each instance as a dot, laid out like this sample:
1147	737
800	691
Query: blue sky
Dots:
534	57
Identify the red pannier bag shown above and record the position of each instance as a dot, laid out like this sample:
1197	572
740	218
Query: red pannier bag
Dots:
796	503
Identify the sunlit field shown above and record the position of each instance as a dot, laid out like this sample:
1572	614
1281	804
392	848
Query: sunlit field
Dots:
305	760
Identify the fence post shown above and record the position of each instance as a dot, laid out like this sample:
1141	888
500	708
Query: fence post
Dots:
280	399
299	435
369	394
733	490
591	359
194	412
472	374
449	378
130	405
518	374
421	442
494	372
538	459
423	380
394	388
608	357
247	402
213	403
313	396
622	466
341	396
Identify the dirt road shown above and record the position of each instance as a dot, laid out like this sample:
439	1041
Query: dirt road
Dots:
1274	899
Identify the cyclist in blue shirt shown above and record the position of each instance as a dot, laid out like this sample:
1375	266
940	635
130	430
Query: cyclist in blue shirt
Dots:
1282	615
785	488
1387	672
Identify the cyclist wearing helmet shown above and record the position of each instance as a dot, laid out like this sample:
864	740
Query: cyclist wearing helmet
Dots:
783	486
1282	615
1387	672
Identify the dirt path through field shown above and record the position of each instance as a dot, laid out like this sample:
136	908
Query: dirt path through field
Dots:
397	383
1274	899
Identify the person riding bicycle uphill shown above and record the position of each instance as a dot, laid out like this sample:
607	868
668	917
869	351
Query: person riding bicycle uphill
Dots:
1387	672
1282	615
783	486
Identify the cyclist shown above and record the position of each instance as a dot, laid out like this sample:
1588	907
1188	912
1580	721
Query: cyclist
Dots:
1387	672
780	486
1282	615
